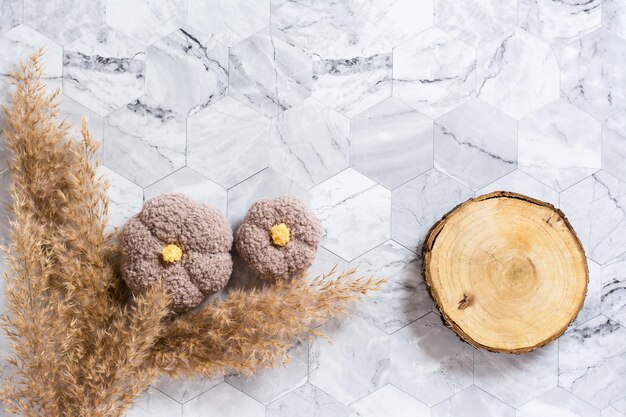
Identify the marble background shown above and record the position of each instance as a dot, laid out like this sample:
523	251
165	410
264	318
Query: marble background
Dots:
383	114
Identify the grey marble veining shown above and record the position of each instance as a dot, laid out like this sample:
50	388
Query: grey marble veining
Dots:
269	74
382	116
556	21
592	361
187	72
434	72
475	144
310	142
404	298
145	141
592	76
521	59
104	70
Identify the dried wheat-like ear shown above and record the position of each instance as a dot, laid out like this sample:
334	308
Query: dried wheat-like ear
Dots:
80	347
78	350
253	329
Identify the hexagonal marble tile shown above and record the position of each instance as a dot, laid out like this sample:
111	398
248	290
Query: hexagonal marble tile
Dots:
559	21
517	379
473	402
229	21
313	25
559	145
146	20
265	184
193	184
357	362
614	289
104	70
591	73
144	141
475	144
126	198
186	72
434	72
271	383
476	21
64	20
16	45
353	75
395	21
595	207
418	204
310	142
268	74
517	73
591	307
389	401
391	143
354	212
184	389
556	403
11	14
223	401
307	401
522	183
404	298
592	361
614	16
227	142
614	145
430	362
154	402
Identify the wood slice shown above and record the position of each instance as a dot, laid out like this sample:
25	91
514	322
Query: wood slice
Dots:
506	271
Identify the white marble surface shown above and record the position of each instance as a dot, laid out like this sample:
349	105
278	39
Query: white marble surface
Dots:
473	402
310	142
104	70
521	60
559	145
354	365
404	298
383	115
145	141
187	72
505	376
268	74
391	143
434	72
351	201
557	21
429	362
475	144
592	361
557	403
592	76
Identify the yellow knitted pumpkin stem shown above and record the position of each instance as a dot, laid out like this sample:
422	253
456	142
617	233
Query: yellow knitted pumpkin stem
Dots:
172	253
280	234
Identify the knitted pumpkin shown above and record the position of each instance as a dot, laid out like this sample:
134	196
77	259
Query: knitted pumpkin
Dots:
279	237
184	243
